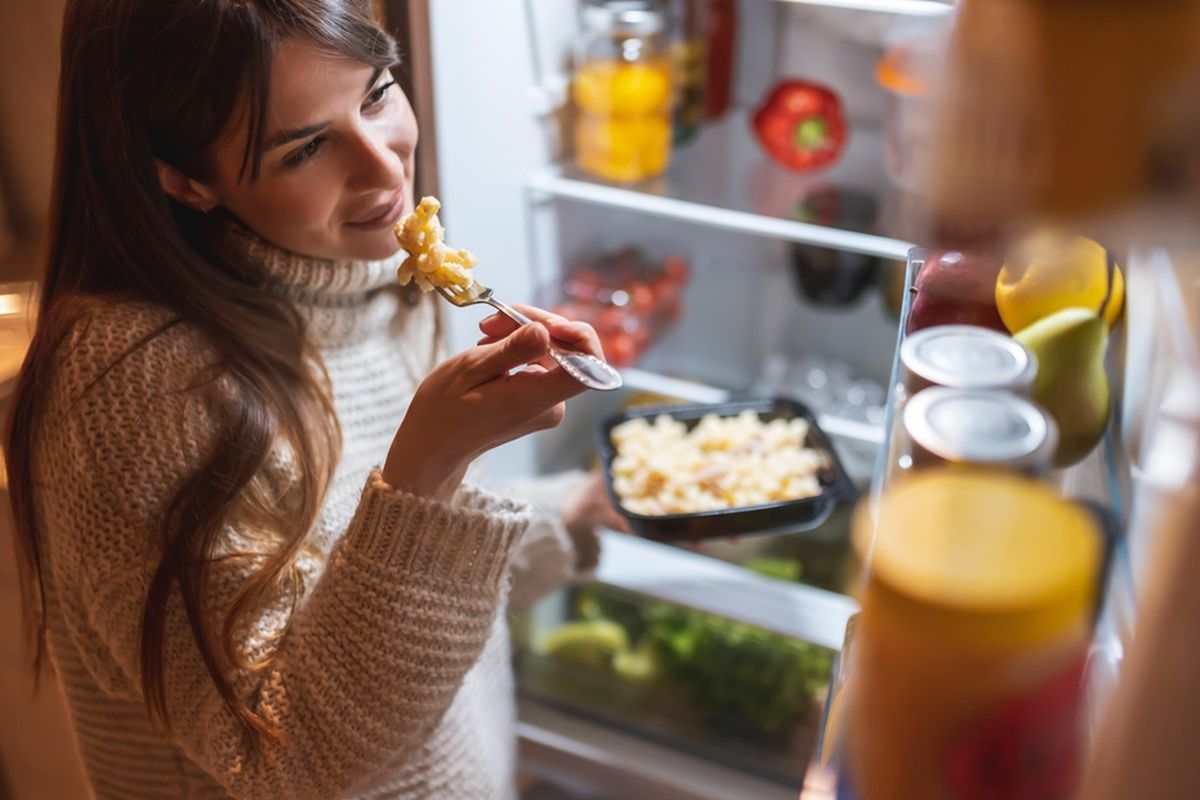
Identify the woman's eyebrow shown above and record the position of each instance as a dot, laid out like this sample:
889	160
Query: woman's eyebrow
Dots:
295	134
284	137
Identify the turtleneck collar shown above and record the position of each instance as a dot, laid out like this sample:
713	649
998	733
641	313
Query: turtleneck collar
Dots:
343	301
315	279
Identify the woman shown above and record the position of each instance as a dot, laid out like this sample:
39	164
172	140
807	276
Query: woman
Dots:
237	603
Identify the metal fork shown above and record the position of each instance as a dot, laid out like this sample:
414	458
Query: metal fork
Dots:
592	372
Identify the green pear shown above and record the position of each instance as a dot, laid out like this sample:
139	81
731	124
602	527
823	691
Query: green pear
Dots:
1071	381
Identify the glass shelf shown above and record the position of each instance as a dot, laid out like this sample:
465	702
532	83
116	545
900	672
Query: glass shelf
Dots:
601	760
909	8
694	392
723	180
718	587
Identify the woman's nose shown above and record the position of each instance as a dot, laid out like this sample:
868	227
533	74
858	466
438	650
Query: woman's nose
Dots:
376	165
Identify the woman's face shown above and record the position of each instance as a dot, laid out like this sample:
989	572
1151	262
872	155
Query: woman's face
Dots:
337	166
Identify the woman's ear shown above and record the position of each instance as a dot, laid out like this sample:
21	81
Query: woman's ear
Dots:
190	192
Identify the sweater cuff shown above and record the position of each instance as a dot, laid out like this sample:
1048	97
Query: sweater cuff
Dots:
468	540
550	494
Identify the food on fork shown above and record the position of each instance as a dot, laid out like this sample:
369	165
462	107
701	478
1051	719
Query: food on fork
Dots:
430	262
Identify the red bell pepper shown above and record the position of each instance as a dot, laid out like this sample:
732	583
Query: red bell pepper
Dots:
801	125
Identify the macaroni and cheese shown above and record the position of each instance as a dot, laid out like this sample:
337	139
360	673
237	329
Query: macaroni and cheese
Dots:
724	462
430	262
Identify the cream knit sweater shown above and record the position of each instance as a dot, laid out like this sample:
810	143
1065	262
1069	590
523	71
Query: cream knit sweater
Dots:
393	679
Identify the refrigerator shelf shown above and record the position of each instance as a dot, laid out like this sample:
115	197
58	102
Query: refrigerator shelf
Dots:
723	180
908	8
597	760
693	392
717	587
733	694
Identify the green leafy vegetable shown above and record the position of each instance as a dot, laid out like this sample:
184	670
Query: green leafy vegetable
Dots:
744	681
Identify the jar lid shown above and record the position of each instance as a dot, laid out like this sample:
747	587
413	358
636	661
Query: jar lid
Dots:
981	427
624	17
968	357
984	542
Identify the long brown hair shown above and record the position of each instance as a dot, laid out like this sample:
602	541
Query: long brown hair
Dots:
152	79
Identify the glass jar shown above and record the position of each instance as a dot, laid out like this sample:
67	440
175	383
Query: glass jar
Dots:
689	54
722	30
969	654
627	297
907	71
623	91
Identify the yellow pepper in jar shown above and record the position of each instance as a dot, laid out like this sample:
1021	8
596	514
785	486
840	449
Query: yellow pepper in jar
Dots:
622	89
623	132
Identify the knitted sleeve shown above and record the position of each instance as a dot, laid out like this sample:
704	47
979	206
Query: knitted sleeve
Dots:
358	672
551	553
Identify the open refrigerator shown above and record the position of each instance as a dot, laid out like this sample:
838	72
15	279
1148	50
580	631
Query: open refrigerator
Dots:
493	77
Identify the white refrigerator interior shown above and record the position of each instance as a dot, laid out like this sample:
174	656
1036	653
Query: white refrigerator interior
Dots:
500	76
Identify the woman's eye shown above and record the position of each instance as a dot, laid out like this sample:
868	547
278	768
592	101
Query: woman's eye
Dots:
379	95
304	153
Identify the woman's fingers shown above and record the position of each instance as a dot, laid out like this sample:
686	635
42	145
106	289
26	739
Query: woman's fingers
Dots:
475	401
496	359
567	333
534	393
551	417
497	325
588	503
574	334
609	517
547	383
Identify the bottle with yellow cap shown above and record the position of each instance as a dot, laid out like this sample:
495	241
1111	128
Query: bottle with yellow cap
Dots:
976	617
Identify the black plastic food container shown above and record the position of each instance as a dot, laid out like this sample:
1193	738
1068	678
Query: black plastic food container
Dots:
778	517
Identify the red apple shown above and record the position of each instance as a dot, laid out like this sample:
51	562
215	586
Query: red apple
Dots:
955	288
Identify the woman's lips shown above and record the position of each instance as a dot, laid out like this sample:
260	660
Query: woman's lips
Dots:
382	216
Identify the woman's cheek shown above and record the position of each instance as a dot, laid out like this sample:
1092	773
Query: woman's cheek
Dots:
399	130
309	204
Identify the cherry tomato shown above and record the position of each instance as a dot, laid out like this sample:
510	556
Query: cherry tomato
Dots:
620	349
611	318
668	296
583	285
641	299
677	269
